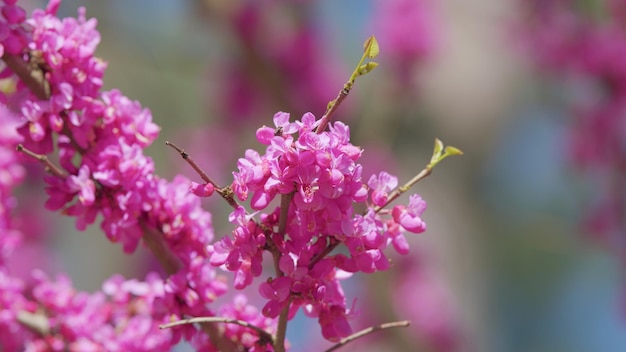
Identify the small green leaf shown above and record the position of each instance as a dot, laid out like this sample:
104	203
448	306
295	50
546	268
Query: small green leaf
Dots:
450	150
363	69
439	153
371	48
438	147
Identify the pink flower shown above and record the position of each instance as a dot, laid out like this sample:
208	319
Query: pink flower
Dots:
410	216
83	184
381	185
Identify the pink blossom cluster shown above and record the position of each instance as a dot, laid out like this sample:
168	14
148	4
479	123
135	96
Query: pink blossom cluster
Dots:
100	138
121	318
587	47
317	172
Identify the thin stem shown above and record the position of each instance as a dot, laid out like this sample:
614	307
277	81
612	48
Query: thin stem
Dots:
171	264
400	190
371	329
281	328
334	105
156	243
394	195
225	192
193	164
33	78
263	335
48	165
332	245
285	201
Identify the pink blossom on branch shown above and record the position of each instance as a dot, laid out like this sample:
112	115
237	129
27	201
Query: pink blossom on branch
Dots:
321	175
100	137
309	164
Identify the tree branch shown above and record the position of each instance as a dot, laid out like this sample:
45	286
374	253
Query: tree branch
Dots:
371	329
263	335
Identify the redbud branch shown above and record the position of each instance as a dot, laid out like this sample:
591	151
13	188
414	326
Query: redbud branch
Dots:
225	192
371	329
371	50
343	93
393	196
48	165
33	79
281	328
285	201
159	248
400	190
193	164
263	335
329	248
156	243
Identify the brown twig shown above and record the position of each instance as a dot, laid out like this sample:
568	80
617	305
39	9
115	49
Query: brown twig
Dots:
48	165
281	328
334	105
285	201
33	79
371	329
155	241
334	243
400	190
192	163
225	192
263	335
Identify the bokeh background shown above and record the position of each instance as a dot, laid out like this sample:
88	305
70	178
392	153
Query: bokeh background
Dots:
506	263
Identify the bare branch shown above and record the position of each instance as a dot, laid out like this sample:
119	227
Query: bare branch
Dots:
371	329
48	165
264	335
225	192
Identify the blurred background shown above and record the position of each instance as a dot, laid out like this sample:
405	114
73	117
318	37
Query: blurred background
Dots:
509	261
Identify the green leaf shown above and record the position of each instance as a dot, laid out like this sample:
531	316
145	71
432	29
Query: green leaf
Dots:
450	150
439	153
371	48
367	68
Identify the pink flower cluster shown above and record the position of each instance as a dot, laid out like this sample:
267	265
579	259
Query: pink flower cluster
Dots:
99	137
318	173
588	50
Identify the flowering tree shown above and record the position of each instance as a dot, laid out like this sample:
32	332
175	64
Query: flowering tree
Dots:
293	200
